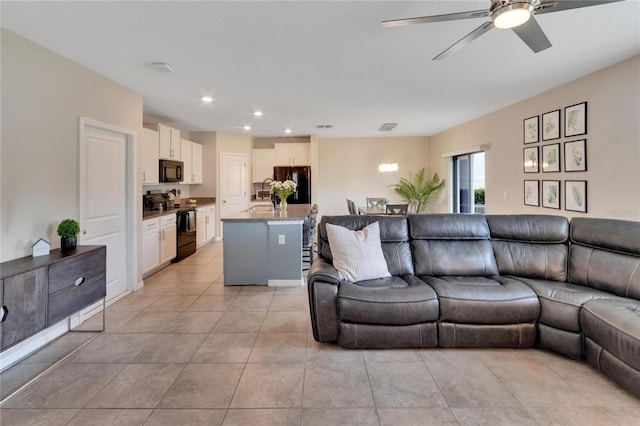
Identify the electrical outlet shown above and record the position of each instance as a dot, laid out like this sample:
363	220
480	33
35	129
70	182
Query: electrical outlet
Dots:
281	239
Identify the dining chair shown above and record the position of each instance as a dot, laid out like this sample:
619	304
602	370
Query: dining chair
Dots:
352	207
397	208
373	201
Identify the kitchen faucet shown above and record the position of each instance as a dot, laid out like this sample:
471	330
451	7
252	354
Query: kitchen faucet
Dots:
265	181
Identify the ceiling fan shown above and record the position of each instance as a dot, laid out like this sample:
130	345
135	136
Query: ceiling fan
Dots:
514	14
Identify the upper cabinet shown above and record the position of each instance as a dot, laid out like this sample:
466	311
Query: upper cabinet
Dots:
191	156
169	142
291	154
263	162
149	143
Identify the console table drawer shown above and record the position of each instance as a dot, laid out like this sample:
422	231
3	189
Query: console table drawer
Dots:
67	272
71	299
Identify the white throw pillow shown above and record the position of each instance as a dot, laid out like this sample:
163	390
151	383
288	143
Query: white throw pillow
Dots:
357	255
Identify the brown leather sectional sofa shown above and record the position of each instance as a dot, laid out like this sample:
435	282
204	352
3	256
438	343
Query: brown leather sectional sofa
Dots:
490	281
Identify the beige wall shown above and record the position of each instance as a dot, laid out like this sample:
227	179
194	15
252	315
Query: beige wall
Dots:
209	165
613	145
348	168
266	143
43	94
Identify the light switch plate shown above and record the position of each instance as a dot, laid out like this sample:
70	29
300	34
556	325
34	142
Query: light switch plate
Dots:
281	239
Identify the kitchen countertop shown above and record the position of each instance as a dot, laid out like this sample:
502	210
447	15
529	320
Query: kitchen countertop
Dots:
293	212
200	202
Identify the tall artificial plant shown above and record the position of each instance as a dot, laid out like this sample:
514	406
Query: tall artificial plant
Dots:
419	188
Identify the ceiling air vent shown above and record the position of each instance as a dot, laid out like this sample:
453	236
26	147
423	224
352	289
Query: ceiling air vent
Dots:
387	127
161	67
324	126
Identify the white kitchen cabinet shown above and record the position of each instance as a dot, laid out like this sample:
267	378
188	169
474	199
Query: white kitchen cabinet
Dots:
291	154
150	244
263	162
211	222
168	238
169	142
196	160
205	224
191	156
149	152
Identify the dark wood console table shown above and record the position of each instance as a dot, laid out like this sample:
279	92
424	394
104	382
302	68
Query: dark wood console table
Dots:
37	292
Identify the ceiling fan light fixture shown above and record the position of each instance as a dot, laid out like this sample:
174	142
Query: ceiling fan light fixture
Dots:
512	15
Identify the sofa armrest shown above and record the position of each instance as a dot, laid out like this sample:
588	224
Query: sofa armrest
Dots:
322	270
323	284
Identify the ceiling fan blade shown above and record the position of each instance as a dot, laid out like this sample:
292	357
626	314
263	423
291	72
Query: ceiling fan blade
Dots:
436	18
531	33
560	5
466	40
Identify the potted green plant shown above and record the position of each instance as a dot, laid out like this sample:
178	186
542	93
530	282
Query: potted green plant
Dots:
68	230
419	189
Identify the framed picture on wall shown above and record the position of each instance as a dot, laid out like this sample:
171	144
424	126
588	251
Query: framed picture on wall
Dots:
575	156
532	193
551	194
551	125
530	160
551	158
575	195
575	120
530	127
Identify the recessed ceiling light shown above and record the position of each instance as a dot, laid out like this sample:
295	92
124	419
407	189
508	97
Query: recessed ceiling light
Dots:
246	127
257	113
161	67
207	99
287	131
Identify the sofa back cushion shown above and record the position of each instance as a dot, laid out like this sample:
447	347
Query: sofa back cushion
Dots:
394	238
605	254
451	244
530	246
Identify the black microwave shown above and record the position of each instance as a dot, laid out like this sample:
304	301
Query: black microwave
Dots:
171	171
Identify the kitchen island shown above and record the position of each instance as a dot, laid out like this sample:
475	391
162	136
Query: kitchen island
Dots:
264	247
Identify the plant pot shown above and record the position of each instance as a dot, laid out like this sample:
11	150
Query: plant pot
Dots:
68	243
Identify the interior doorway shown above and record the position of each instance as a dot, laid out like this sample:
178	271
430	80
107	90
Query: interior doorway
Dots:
468	183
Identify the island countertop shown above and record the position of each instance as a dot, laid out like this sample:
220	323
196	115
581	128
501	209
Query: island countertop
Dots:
293	212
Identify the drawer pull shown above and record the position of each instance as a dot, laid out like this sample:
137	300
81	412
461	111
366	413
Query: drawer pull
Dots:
5	312
79	281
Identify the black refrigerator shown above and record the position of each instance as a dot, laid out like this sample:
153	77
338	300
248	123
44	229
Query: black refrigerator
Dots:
301	175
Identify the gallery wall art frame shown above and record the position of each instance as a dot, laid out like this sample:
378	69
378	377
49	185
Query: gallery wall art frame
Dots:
575	195
551	194
575	156
575	120
532	193
530	159
551	158
531	129
551	125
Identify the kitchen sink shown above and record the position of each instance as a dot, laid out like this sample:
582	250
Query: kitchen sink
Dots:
262	208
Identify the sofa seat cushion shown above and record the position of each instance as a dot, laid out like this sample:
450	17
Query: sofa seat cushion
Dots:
484	300
614	324
387	301
560	303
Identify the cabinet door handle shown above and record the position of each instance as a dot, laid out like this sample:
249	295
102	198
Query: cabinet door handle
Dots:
5	312
79	282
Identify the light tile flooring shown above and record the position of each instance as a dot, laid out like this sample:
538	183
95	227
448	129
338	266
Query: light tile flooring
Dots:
185	350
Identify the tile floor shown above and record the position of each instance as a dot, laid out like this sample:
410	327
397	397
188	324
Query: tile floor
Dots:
185	350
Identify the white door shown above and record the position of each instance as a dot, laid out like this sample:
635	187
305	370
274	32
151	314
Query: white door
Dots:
103	178
233	183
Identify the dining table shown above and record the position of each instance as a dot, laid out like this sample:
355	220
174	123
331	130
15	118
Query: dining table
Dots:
377	210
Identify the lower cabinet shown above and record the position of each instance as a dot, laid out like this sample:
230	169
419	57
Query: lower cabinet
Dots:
205	224
168	238
150	244
37	292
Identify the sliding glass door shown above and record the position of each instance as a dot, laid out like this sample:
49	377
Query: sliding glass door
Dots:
468	183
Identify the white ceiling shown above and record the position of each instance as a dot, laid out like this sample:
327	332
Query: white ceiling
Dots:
321	62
